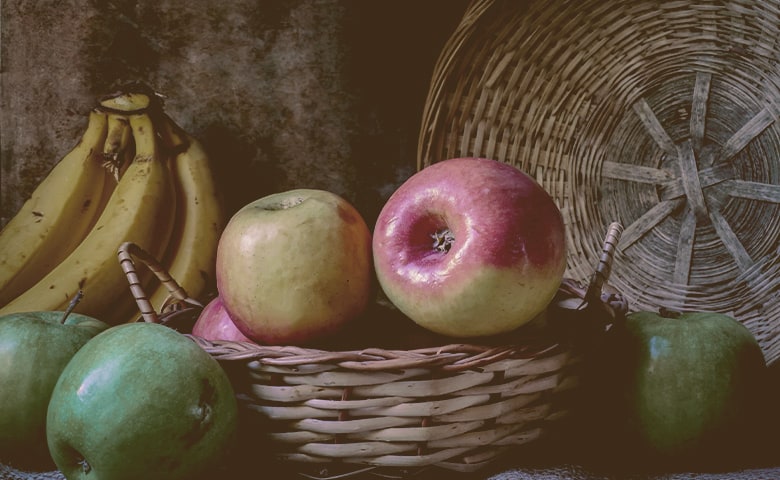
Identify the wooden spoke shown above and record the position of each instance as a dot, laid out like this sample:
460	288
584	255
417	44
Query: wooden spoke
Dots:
682	263
765	192
635	173
730	240
690	179
649	220
654	127
701	92
747	133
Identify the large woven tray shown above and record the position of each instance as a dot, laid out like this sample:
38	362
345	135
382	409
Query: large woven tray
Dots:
661	115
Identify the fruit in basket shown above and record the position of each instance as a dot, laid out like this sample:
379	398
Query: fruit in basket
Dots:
470	247
687	383
35	347
294	267
140	401
214	323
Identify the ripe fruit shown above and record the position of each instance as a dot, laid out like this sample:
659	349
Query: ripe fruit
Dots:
214	323
35	347
686	384
140	401
294	267
470	247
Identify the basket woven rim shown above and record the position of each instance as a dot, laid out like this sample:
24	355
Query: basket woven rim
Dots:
449	357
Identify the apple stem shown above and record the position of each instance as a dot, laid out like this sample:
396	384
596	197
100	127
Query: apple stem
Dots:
74	301
669	313
442	240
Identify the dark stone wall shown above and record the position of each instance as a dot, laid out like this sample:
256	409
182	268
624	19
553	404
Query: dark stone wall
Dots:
283	93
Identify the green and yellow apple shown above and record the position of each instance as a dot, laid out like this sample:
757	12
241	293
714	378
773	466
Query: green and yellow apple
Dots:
294	267
140	401
470	247
686	384
35	347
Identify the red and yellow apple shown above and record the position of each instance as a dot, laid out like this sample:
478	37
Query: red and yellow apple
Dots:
214	323
294	267
470	247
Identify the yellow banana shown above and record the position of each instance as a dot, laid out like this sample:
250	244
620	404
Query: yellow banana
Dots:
118	153
140	210
201	217
57	217
117	141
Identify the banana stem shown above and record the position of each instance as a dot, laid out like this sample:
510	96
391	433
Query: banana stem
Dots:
126	103
73	302
134	97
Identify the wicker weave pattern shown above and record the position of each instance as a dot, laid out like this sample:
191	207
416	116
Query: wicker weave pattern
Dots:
661	115
455	407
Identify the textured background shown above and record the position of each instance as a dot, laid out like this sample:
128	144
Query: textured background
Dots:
283	93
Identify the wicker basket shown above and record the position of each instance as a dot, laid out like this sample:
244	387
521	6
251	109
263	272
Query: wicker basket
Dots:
395	412
659	114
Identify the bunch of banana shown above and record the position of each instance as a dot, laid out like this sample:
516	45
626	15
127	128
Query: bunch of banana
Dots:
192	258
57	216
135	177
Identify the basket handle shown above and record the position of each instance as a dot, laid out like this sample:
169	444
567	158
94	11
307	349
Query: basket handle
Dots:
127	253
604	267
592	299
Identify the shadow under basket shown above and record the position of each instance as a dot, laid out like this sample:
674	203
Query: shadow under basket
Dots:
394	412
660	115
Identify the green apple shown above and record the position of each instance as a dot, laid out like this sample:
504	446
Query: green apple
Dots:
140	401
35	347
688	384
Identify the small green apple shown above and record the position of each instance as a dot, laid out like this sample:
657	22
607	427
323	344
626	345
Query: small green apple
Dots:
35	347
688	383
140	401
